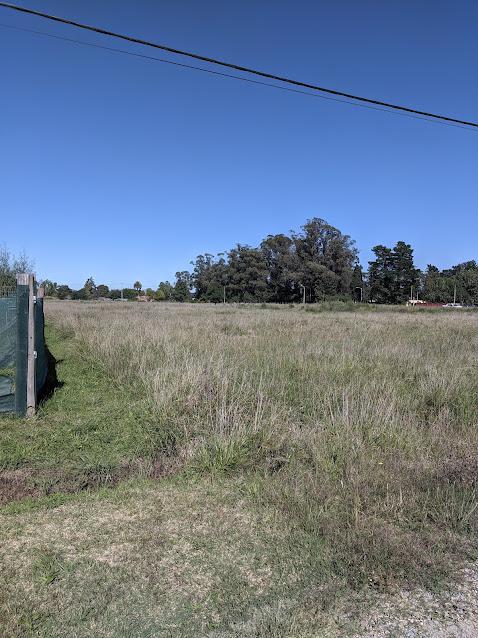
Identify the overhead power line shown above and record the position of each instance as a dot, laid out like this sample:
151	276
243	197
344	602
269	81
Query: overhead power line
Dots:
228	75
238	67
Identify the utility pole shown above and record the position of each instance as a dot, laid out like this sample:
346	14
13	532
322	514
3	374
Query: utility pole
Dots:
454	294
224	295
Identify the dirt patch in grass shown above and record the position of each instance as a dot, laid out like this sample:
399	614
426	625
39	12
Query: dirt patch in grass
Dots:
181	558
150	559
16	485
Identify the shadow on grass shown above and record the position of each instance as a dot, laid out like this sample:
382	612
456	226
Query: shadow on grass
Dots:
51	383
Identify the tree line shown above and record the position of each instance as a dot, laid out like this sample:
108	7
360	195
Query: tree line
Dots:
316	263
10	266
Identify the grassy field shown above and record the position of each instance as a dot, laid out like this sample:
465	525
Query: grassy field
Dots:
238	470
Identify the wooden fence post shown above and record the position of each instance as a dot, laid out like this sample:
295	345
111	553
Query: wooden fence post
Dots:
31	373
21	357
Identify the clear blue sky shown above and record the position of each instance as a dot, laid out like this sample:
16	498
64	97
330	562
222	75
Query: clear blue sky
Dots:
122	169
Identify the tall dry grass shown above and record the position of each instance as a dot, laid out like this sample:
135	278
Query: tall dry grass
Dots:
359	427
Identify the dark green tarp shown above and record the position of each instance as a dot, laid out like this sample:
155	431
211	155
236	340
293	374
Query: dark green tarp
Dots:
8	338
13	328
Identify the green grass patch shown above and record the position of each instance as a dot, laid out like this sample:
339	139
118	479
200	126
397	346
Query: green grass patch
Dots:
92	431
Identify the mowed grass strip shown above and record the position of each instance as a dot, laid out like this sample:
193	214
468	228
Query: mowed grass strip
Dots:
91	432
171	559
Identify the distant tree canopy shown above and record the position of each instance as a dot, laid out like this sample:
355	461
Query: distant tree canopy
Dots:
130	293
102	290
318	260
51	288
164	291
64	292
461	282
182	287
392	276
319	257
10	266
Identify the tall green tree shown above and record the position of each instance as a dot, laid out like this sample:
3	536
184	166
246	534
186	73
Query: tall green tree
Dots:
102	290
64	292
89	288
164	292
326	259
282	264
462	279
392	274
407	277
50	288
434	285
381	275
130	293
247	274
182	287
357	284
209	277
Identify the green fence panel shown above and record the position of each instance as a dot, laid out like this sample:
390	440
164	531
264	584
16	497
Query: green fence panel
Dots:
14	304
21	350
8	337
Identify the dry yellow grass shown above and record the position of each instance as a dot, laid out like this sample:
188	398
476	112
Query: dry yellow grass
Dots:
359	426
320	456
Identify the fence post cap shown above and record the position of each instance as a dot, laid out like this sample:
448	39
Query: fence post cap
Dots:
22	279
